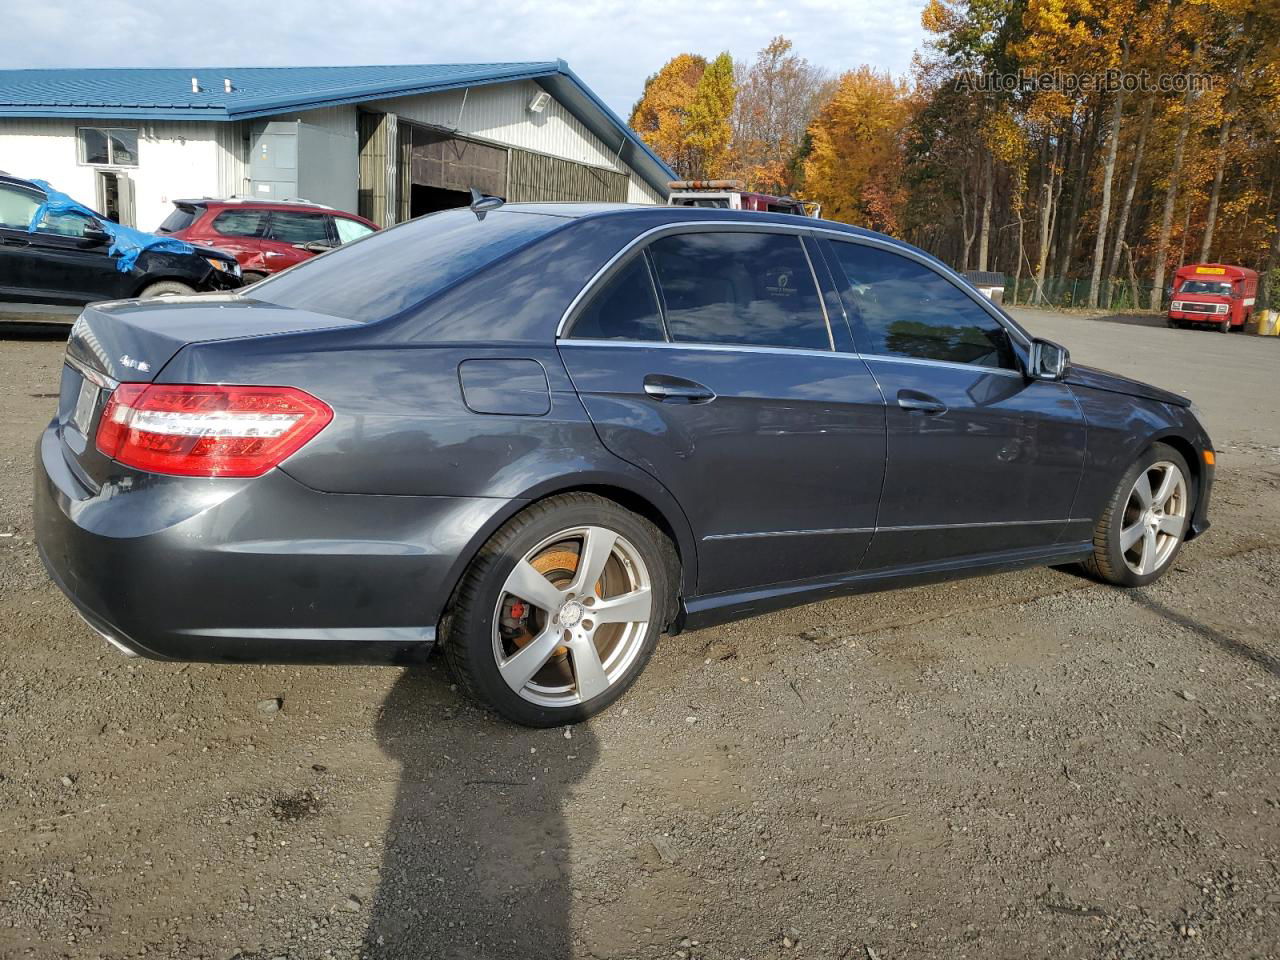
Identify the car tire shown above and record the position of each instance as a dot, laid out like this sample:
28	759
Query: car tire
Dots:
1143	527
1225	326
166	288
575	662
252	276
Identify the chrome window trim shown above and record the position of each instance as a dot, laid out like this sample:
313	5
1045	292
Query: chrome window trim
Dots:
691	345
942	269
949	364
698	226
90	374
704	226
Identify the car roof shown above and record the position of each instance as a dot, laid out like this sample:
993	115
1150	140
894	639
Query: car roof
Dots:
656	215
19	182
257	204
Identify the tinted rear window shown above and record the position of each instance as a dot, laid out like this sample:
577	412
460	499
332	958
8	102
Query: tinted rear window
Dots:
388	272
183	215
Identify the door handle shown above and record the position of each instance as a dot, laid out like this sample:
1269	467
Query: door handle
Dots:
15	242
667	389
913	401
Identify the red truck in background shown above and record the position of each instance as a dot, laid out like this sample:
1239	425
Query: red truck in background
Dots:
733	195
1213	294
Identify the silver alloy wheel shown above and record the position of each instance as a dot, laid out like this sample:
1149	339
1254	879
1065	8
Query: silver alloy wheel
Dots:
585	601
1155	518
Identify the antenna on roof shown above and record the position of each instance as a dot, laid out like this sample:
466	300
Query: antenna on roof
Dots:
481	204
195	85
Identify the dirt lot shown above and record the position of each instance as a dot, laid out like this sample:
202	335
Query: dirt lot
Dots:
1030	765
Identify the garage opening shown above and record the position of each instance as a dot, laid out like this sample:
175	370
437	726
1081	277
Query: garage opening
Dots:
438	169
424	199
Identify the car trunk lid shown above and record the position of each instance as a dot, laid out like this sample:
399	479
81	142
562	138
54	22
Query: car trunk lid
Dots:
132	341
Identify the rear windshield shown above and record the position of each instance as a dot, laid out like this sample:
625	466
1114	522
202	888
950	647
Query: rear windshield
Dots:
183	215
386	273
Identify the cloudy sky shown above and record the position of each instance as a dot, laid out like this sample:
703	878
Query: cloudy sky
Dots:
613	45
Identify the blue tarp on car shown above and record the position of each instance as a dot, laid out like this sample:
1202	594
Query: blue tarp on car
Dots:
127	243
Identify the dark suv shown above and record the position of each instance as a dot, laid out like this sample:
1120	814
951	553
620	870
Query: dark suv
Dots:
265	237
67	259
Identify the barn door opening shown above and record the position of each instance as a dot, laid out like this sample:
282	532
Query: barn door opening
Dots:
438	170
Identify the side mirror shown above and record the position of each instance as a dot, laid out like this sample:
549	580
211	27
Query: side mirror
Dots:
1048	360
315	246
95	234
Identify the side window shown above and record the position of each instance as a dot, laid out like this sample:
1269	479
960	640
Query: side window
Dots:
241	223
349	230
17	207
900	307
299	227
742	287
64	224
626	308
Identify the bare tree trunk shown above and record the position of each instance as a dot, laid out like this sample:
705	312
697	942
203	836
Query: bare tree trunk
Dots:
1171	195
1133	273
1108	173
988	187
1224	135
1122	223
1186	228
966	231
1273	258
1224	132
1017	270
1046	206
1068	231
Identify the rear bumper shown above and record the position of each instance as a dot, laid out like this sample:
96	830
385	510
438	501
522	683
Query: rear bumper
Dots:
252	571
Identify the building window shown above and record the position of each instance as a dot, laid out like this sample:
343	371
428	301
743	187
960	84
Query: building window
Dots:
108	146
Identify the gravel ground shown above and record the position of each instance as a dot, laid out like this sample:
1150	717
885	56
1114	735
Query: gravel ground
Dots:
1030	765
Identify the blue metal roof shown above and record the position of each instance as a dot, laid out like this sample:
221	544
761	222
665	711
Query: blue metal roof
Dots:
166	94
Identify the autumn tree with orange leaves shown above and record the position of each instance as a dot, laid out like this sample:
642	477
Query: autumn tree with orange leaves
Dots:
854	166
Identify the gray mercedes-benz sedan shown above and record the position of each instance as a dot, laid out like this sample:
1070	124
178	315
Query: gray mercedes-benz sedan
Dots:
543	435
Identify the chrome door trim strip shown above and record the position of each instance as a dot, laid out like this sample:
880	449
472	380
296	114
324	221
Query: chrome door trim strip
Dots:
969	526
898	529
787	533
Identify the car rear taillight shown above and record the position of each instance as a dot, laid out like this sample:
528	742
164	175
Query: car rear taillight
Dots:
197	430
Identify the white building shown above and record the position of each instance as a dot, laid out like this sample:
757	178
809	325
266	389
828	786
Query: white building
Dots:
386	142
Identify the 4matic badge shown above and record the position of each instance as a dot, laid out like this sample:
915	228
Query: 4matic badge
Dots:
140	365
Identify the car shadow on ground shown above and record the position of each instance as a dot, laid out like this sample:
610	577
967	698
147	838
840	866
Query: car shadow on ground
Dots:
476	858
1230	644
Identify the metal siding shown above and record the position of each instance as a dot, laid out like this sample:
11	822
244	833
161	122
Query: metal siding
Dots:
379	163
501	112
535	177
639	191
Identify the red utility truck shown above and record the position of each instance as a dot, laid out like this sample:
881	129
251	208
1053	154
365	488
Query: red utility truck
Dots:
733	195
1214	294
